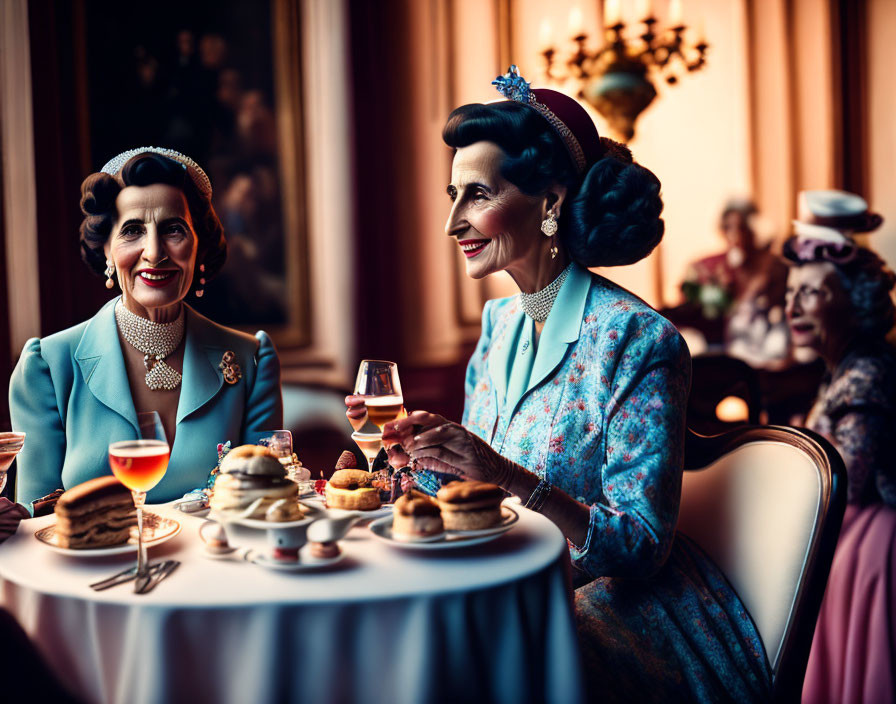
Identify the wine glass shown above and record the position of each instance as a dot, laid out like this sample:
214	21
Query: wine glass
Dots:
11	444
140	465
378	383
280	444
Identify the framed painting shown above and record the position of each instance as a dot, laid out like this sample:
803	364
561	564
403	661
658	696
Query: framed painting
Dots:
220	81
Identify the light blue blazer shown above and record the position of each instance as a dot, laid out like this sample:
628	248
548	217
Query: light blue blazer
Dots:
69	392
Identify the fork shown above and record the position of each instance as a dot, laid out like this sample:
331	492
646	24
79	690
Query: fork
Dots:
148	582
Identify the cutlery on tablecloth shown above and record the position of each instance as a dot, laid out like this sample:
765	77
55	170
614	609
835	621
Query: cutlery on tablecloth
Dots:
129	574
148	582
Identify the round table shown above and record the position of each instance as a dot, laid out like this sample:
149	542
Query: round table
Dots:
490	623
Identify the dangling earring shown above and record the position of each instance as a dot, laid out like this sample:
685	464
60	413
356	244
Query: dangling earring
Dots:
549	228
201	292
110	272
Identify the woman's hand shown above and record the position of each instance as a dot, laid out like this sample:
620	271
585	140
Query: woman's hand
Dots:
10	516
432	442
357	411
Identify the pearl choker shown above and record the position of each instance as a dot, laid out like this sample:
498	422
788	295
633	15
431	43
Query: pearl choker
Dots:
538	305
156	341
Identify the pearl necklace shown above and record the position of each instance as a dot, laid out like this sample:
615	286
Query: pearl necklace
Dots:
538	305
156	341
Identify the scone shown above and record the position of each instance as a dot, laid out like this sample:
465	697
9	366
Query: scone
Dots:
250	474
416	515
98	513
351	489
470	505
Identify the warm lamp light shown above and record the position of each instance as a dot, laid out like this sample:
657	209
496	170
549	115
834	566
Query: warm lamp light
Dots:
576	22
732	409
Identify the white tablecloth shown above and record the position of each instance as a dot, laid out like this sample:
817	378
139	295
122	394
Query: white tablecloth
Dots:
490	623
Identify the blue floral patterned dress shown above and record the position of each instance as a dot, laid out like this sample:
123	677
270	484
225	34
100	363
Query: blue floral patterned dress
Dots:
602	418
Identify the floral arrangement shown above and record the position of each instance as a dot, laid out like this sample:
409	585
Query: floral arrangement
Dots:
708	291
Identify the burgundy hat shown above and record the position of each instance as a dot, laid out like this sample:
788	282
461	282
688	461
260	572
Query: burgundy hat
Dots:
568	118
825	224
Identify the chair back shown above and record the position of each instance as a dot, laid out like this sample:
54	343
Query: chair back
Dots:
766	504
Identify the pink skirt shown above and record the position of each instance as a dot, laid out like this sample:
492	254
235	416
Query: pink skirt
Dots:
853	657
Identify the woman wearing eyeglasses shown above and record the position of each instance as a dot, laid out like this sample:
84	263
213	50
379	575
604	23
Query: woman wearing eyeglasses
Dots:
839	305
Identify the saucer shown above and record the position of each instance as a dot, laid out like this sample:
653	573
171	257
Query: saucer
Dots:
305	562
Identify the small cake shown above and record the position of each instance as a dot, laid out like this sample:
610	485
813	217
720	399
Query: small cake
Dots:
324	551
98	513
351	489
470	505
416	516
347	460
252	474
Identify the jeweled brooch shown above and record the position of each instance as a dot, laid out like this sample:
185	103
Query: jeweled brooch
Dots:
230	369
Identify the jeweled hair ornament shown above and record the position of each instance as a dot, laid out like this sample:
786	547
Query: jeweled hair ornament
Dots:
564	114
199	177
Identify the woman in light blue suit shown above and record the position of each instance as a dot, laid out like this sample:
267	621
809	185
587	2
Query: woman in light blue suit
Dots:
149	226
576	395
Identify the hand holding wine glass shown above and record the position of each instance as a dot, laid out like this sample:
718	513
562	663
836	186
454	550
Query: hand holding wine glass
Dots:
378	384
140	465
11	444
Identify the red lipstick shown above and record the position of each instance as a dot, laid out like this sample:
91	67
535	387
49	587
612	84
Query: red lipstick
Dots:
472	248
157	278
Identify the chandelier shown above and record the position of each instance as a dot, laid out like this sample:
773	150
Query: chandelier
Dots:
616	79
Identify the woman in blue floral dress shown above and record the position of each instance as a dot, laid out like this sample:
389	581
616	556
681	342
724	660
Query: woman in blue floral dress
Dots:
576	395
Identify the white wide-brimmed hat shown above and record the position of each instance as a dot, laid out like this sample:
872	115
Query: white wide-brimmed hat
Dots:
832	216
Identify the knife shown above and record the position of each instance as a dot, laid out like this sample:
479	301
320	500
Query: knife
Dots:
119	578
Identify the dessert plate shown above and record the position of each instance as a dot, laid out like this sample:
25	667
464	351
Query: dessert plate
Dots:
156	530
312	512
383	511
305	563
450	539
318	500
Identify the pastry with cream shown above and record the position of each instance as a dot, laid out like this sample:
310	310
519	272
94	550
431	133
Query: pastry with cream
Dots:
416	516
252	476
352	489
98	513
470	505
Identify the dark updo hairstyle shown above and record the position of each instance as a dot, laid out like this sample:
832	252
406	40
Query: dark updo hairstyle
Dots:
611	215
98	194
867	281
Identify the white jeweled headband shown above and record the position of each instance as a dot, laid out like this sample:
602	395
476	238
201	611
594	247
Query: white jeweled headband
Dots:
114	165
514	87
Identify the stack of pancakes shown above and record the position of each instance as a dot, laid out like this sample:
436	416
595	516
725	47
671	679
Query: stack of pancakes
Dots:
98	513
250	474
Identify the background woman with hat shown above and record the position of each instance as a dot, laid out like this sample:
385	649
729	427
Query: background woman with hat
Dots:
576	394
149	228
839	305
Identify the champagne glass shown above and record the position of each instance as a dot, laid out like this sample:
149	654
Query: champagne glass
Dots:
370	445
378	383
140	465
11	444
